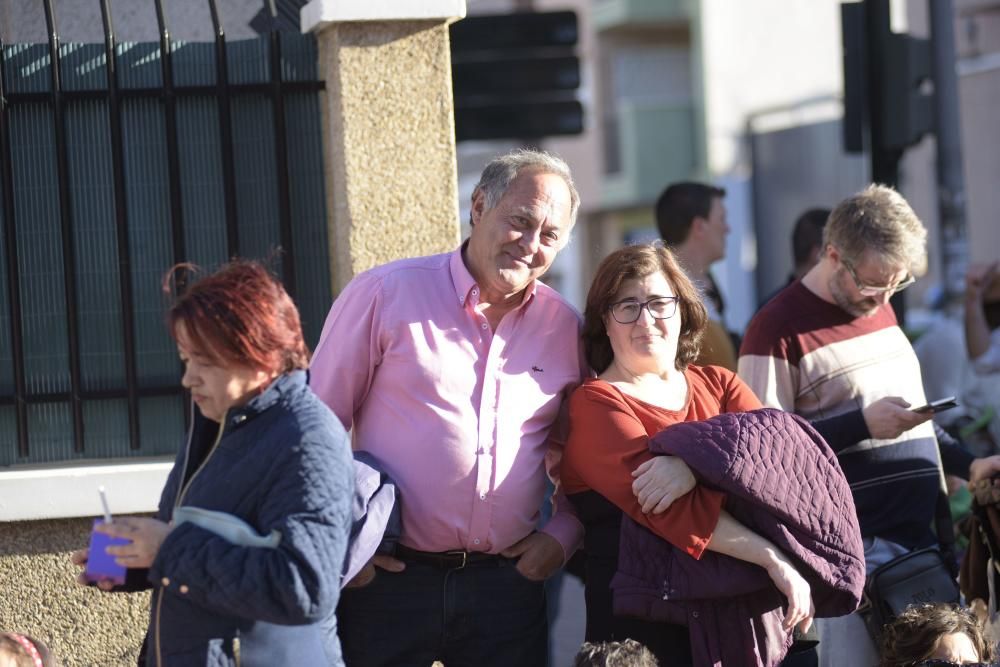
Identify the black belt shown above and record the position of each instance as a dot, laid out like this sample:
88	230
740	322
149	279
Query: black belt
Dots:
448	560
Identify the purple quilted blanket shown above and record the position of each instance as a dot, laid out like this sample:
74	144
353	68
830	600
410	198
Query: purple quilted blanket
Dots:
783	482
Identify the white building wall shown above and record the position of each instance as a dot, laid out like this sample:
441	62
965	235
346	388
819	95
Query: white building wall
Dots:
757	56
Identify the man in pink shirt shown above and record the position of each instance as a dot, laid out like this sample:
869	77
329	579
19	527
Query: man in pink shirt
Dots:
451	370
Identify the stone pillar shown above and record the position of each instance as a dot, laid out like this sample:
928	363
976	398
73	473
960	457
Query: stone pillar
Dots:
389	132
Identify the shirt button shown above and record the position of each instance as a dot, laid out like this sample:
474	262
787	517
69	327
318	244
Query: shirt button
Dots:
165	581
694	614
483	325
475	292
475	541
183	589
482	496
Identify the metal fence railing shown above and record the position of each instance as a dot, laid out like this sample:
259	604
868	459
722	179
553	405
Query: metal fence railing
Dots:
118	160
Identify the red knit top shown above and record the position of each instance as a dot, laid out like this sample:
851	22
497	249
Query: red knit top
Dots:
608	439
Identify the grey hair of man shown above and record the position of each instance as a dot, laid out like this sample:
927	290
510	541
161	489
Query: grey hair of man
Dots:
878	219
501	171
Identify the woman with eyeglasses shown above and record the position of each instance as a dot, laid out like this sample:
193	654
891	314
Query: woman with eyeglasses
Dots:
936	635
642	327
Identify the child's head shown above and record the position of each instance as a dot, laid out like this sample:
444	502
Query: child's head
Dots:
17	650
938	631
628	653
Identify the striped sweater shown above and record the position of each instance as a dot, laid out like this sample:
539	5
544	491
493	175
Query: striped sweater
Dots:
805	355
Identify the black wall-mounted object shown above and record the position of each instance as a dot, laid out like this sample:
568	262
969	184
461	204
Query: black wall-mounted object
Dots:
515	76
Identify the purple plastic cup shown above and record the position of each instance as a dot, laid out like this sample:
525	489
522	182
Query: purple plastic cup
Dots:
101	565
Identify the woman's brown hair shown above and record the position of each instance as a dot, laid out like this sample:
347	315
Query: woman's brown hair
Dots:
635	262
914	634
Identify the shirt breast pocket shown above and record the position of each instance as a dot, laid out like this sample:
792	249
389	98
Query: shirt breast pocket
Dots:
529	403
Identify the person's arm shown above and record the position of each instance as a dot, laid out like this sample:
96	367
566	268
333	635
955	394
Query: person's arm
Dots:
306	498
607	442
767	371
844	430
544	551
564	526
885	419
349	349
955	460
737	541
977	330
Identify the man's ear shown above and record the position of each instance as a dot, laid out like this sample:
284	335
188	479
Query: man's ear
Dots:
478	206
698	224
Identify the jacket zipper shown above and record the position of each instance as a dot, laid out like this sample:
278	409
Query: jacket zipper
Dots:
177	502
236	648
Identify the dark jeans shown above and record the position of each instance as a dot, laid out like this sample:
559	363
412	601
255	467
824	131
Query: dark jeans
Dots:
482	615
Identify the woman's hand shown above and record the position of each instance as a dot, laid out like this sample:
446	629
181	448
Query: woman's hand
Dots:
146	536
660	481
788	580
79	558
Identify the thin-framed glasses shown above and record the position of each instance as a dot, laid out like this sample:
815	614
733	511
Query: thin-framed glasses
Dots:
873	290
629	310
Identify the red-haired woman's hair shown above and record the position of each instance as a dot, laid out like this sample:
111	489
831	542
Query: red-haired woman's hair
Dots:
240	315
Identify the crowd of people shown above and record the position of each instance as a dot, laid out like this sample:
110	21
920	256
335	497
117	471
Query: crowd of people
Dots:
725	494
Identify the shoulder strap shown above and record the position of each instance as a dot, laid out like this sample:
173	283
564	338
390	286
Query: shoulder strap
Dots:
945	532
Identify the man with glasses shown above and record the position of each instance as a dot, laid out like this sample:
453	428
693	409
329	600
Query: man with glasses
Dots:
828	348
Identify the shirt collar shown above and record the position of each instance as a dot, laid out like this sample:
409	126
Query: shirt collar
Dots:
464	282
281	387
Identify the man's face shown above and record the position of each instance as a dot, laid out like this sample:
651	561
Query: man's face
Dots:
871	273
516	241
715	229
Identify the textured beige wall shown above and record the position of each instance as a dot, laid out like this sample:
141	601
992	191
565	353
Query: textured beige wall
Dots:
390	146
39	596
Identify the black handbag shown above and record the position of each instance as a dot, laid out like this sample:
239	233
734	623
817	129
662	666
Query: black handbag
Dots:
918	577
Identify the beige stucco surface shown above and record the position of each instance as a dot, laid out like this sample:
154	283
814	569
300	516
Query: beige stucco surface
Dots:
390	147
39	597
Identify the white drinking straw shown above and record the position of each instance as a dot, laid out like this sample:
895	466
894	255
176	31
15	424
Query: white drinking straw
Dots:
104	504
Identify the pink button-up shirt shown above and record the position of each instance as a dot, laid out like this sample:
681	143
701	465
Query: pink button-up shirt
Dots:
457	414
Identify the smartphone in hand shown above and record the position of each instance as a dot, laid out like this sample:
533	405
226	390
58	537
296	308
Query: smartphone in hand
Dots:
939	405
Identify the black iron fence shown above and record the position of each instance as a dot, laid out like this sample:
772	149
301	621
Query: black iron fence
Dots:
118	160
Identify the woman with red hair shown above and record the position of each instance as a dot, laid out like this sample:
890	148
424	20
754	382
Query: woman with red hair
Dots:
245	553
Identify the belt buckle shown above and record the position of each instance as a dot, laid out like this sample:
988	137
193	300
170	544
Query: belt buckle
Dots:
463	554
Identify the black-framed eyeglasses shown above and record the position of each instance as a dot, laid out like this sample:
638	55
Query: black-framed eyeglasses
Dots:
629	310
878	290
939	662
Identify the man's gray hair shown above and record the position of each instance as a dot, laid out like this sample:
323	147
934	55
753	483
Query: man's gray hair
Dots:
879	220
503	169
